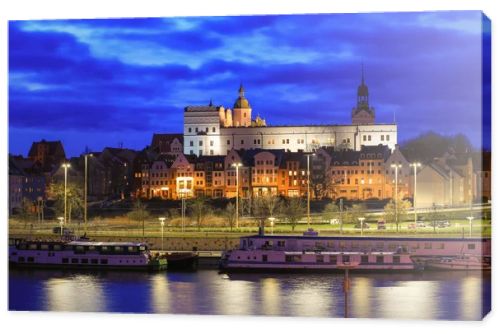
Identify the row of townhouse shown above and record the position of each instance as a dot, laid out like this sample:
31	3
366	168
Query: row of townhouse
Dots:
347	174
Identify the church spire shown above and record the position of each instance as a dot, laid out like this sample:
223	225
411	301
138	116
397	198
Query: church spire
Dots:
362	74
241	91
363	90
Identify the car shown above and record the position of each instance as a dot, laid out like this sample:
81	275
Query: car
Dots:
381	225
365	225
443	223
57	230
421	224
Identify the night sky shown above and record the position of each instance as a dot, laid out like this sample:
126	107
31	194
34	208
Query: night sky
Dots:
107	82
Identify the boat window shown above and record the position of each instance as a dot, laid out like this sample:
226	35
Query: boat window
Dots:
428	245
21	259
32	246
292	258
22	246
65	260
364	258
118	249
392	247
31	259
93	261
74	260
104	261
142	248
91	248
85	260
244	243
342	244
57	247
264	258
318	244
396	259
379	245
333	259
320	259
380	259
345	258
281	243
471	246
79	248
104	248
441	246
415	246
44	247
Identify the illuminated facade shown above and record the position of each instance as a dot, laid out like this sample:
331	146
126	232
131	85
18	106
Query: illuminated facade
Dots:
215	130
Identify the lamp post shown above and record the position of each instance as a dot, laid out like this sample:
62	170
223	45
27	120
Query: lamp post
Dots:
309	189
65	166
183	207
415	165
396	168
361	219
271	219
162	223
470	218
237	165
85	194
61	225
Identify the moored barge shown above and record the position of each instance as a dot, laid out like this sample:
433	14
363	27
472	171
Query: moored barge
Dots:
83	255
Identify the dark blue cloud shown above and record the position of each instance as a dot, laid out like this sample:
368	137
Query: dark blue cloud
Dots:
136	75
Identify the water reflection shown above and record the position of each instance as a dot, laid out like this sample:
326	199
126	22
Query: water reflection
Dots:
409	296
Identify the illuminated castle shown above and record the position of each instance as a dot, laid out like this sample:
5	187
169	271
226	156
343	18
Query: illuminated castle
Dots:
215	130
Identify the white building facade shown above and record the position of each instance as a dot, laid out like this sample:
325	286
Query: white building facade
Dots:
216	130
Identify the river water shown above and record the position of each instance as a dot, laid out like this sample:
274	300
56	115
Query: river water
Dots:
424	295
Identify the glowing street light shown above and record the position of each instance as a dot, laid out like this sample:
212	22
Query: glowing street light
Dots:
237	165
162	223
470	218
271	219
415	165
65	166
361	220
61	225
309	189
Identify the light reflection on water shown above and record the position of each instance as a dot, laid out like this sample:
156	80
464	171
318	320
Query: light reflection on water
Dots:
445	295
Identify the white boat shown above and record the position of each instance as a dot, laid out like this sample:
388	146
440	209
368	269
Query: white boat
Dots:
275	260
83	255
460	262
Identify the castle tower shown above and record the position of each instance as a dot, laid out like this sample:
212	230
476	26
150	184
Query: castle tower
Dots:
362	113
242	112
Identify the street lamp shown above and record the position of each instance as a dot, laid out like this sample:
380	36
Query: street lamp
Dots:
470	218
162	223
237	165
396	168
65	166
361	219
85	194
415	165
183	207
309	190
271	219
61	225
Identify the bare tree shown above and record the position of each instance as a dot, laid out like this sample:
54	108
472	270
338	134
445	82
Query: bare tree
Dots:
200	210
230	214
139	213
264	207
294	210
396	213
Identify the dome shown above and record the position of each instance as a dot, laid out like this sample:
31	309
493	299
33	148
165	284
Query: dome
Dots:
241	102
